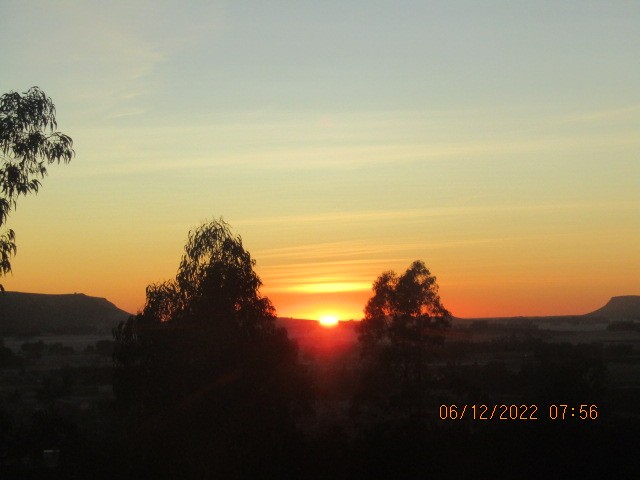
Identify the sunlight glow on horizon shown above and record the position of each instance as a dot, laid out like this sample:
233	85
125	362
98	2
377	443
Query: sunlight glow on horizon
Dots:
328	320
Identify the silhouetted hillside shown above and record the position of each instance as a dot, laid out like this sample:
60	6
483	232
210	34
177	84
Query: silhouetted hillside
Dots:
36	313
620	308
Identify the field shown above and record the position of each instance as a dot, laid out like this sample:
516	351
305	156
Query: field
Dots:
54	388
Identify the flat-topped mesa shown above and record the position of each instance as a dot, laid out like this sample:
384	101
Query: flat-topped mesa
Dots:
625	307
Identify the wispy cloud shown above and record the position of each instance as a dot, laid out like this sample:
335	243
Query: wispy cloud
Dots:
98	54
129	113
154	149
390	216
603	115
330	287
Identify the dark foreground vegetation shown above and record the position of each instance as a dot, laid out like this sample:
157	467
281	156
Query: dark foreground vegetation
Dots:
205	383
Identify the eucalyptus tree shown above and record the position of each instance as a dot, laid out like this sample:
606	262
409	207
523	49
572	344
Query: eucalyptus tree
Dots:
205	379
404	321
28	143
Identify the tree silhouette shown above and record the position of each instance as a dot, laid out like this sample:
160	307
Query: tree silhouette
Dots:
204	378
403	318
28	143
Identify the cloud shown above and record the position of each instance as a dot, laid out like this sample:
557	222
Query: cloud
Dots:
99	55
390	216
129	113
330	287
603	115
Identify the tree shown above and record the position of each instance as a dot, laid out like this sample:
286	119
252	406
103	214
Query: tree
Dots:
28	143
403	319
205	380
405	310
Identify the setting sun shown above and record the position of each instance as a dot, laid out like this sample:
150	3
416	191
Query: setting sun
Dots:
328	320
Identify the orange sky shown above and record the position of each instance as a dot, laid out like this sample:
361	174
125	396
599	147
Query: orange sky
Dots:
498	144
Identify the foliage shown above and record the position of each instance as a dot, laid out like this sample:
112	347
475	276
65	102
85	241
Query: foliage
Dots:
404	310
403	318
215	278
575	373
28	143
205	368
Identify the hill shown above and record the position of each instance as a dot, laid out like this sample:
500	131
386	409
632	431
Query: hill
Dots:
37	313
625	307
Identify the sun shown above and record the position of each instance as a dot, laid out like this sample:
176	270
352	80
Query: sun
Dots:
328	320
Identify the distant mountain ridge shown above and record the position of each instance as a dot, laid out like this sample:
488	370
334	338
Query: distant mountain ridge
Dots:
626	307
38	313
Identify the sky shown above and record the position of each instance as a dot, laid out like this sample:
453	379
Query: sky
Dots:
497	141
